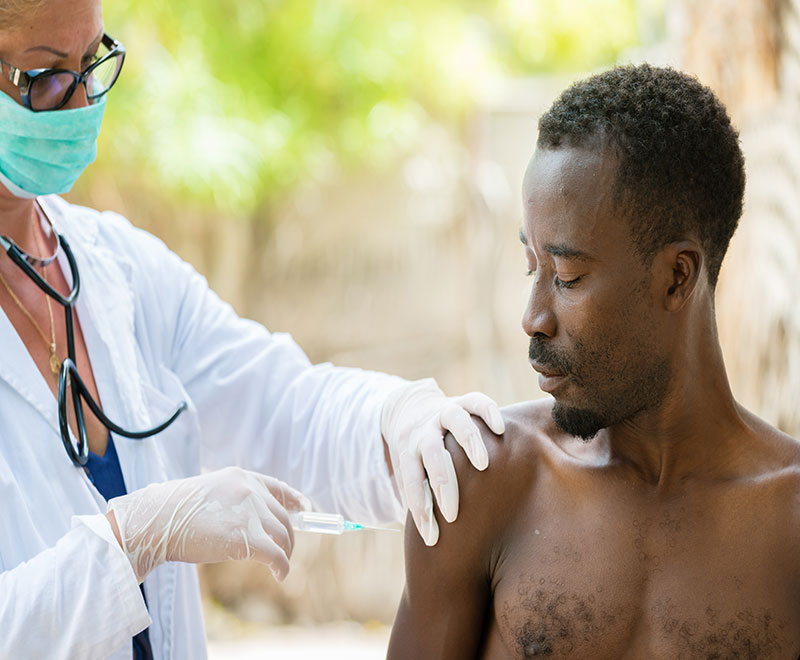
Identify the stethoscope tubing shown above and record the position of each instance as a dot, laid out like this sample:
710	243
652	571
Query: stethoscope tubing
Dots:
21	259
78	449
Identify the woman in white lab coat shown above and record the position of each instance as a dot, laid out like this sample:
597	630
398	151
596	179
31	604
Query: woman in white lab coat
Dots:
146	335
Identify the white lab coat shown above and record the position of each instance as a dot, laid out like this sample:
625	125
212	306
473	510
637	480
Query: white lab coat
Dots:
157	334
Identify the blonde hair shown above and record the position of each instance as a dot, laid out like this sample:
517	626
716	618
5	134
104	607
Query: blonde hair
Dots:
13	11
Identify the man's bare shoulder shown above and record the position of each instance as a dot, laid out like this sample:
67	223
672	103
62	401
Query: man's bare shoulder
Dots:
531	444
772	452
488	499
532	440
529	432
773	474
528	435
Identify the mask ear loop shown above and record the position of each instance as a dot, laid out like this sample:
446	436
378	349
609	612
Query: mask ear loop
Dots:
36	262
45	261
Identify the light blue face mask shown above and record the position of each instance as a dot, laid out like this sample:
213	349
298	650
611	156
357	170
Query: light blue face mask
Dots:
42	153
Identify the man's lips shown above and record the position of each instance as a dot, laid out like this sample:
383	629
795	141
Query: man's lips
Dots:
549	378
544	370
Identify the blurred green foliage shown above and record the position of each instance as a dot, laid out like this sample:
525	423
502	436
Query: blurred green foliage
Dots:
230	103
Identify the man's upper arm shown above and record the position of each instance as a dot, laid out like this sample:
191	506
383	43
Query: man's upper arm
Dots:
447	592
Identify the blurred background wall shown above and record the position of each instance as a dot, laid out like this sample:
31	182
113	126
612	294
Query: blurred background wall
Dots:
749	52
349	171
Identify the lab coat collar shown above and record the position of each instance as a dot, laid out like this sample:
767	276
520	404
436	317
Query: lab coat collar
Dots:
105	307
18	369
57	210
106	302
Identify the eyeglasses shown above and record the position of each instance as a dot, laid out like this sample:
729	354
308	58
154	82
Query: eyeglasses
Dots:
50	89
78	451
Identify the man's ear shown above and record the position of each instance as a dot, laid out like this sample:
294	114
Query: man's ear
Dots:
682	267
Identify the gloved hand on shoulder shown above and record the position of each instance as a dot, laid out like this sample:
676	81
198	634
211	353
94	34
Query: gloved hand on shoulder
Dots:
414	421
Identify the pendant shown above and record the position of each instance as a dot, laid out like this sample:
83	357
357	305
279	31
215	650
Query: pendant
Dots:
55	365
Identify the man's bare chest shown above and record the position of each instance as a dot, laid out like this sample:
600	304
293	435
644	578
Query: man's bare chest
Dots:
654	584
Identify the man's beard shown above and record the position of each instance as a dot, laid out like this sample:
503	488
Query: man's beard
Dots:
579	422
636	385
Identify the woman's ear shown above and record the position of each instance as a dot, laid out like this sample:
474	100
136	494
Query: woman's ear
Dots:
682	265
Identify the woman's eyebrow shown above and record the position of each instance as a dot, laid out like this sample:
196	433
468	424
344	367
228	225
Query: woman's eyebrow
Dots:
48	49
58	52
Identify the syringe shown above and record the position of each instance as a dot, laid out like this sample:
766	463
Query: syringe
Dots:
328	523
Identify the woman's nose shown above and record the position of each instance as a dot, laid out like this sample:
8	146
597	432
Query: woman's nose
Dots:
79	99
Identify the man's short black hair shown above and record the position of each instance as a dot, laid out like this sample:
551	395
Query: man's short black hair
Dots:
680	167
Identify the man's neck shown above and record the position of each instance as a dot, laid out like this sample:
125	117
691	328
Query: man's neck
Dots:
690	433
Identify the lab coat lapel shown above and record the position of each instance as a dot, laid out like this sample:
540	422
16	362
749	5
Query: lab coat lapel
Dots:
106	302
18	369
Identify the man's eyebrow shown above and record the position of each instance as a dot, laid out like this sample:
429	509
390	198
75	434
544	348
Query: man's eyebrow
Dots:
58	52
563	250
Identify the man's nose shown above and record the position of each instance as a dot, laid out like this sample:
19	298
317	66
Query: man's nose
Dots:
539	318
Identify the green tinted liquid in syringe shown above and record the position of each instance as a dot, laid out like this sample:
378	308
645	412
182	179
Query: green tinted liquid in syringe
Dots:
328	523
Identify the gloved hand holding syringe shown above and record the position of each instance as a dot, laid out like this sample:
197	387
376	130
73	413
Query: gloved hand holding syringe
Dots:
329	523
217	516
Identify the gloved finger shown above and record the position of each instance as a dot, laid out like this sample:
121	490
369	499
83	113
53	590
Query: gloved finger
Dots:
398	477
477	403
457	420
264	549
281	532
290	498
273	519
418	496
407	450
441	474
280	516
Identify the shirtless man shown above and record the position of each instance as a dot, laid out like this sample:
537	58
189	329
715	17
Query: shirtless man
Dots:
641	513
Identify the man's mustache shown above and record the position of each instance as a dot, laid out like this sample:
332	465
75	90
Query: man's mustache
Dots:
548	357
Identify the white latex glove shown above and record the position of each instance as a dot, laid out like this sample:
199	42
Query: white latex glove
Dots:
228	514
414	421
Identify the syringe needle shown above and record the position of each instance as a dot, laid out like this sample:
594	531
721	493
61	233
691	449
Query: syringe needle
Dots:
381	529
328	523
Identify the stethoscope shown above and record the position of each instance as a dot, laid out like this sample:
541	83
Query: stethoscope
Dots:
77	450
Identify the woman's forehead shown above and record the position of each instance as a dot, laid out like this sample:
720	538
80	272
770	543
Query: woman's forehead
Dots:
65	26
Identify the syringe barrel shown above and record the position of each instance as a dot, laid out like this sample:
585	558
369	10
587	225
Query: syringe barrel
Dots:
322	523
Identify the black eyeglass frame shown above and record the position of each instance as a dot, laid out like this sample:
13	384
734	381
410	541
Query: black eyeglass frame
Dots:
24	80
77	451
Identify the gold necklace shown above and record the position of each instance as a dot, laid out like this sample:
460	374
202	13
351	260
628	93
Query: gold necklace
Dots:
55	363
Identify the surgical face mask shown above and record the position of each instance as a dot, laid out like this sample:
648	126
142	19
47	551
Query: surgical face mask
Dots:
42	153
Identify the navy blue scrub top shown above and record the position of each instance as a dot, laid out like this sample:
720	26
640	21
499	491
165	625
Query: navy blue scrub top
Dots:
106	475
